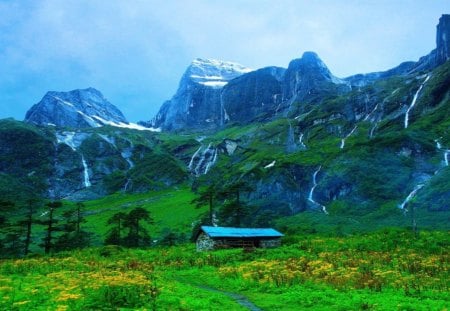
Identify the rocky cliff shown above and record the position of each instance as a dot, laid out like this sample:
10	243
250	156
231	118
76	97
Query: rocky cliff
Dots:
197	102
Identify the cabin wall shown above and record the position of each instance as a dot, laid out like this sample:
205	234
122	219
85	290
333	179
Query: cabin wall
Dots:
205	243
270	243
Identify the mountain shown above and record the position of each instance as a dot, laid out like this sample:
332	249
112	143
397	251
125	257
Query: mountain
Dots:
77	109
302	145
213	93
260	90
82	163
197	102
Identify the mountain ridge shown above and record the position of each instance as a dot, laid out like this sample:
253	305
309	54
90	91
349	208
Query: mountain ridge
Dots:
367	148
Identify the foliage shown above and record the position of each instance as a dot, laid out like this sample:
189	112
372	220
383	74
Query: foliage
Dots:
386	270
137	234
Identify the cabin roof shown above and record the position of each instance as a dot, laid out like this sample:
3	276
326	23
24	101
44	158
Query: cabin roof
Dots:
230	232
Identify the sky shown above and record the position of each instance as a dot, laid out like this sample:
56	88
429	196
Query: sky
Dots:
135	51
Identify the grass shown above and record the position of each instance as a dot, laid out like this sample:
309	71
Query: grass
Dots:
169	209
386	270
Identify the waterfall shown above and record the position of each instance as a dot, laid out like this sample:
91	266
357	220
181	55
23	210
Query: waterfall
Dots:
201	163
370	113
87	182
349	134
414	101
372	130
272	164
66	138
126	154
212	161
311	192
300	141
130	163
191	163
290	142
223	113
438	144
202	159
125	187
410	196
446	152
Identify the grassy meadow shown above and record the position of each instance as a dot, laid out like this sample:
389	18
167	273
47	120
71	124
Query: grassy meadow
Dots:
385	270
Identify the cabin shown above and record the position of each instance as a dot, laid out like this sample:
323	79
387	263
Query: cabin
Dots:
210	238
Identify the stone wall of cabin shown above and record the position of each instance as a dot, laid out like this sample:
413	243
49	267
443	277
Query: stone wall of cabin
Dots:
270	243
205	243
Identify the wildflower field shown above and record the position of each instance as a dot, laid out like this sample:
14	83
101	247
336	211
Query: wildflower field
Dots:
387	270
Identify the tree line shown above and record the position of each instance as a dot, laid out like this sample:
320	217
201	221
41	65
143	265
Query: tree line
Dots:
64	229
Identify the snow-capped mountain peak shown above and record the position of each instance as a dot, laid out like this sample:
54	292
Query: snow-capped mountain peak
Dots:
214	73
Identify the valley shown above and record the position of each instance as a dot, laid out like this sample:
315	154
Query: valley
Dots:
97	212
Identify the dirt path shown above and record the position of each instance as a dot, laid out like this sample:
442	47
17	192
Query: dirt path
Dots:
242	300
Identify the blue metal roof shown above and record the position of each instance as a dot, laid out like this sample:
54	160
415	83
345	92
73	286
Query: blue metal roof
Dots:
230	232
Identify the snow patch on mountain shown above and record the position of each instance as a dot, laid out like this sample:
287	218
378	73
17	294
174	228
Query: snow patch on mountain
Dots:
214	73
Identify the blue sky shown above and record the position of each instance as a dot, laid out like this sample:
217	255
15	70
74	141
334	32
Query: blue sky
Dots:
135	51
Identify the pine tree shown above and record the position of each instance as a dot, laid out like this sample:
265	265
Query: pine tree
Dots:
234	210
73	236
114	236
52	206
206	197
137	234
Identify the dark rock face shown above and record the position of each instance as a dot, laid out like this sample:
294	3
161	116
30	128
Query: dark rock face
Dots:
253	96
307	78
77	109
197	103
443	39
442	52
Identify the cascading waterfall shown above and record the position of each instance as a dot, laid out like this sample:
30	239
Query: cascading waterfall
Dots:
212	162
202	159
126	155
125	187
414	101
446	152
372	130
370	113
410	196
66	138
290	142
311	192
348	135
223	113
87	182
201	162
300	141
191	163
